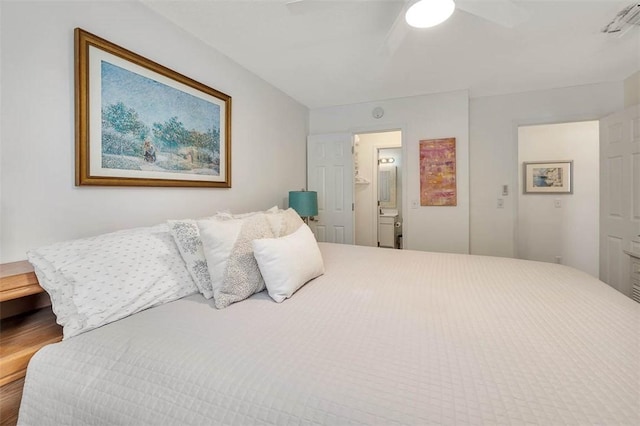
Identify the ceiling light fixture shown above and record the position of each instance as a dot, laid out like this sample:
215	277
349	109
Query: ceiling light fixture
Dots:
429	13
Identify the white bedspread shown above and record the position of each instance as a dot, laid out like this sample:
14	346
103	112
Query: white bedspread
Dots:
384	337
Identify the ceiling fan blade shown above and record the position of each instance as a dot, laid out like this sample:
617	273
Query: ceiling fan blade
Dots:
302	7
501	12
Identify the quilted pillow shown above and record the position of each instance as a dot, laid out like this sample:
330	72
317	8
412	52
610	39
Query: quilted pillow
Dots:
98	280
227	247
289	262
187	237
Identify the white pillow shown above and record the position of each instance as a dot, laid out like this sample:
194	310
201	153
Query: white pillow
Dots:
227	247
98	280
187	237
289	262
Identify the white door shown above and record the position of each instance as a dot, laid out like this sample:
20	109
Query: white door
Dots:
619	196
330	173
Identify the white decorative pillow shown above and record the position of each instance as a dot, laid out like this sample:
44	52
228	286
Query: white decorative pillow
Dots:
227	247
98	280
289	262
187	237
284	222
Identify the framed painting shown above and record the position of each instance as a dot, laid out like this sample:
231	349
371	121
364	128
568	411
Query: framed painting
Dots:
438	172
139	123
548	177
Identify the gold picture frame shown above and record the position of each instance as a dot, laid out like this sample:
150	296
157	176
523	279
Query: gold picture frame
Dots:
139	123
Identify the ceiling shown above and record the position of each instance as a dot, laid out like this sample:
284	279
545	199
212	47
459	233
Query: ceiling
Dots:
337	52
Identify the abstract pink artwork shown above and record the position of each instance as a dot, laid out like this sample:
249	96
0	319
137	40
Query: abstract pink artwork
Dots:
438	172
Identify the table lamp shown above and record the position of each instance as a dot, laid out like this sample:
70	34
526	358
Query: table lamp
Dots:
305	203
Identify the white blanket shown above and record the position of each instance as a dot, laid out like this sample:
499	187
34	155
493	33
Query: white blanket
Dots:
384	337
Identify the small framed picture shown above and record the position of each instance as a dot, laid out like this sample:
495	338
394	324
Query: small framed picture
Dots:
548	177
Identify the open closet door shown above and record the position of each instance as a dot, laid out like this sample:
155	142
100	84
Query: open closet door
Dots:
619	196
330	173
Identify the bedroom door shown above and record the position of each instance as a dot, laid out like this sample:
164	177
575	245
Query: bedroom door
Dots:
619	196
330	173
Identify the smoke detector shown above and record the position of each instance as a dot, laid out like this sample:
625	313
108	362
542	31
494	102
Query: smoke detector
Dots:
624	20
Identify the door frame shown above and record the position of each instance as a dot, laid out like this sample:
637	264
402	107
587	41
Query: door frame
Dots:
383	128
516	167
586	258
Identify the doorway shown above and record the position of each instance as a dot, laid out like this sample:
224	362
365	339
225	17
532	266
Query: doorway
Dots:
378	189
558	226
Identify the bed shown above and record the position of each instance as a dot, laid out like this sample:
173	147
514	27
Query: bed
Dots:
383	337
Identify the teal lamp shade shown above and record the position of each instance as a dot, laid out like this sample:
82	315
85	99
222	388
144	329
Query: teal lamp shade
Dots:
304	202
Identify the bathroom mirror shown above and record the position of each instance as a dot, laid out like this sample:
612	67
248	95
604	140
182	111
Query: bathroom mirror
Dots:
387	186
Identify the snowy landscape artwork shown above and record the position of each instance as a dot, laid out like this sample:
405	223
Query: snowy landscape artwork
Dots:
146	125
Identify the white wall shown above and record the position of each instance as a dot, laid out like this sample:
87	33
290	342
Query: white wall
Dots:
632	90
421	117
494	125
572	230
40	203
366	198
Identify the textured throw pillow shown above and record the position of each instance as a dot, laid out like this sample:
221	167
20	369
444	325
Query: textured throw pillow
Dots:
284	222
289	262
187	237
291	222
226	214
98	280
227	247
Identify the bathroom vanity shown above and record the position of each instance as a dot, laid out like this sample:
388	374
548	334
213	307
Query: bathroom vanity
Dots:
388	230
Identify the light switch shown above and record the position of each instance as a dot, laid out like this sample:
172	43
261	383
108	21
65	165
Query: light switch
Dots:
414	204
505	190
557	203
500	203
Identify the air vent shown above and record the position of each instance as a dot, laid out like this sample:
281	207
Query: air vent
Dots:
623	21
